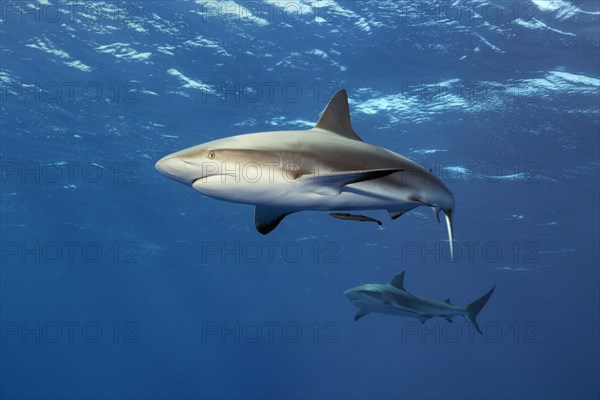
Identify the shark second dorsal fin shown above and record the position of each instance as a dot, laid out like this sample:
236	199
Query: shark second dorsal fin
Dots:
336	117
266	219
398	281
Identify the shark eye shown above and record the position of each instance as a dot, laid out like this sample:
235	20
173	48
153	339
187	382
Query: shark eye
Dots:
211	154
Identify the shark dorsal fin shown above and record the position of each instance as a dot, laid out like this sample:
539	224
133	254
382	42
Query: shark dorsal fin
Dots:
336	117
398	281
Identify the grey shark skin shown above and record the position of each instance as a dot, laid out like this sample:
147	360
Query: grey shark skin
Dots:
394	299
326	168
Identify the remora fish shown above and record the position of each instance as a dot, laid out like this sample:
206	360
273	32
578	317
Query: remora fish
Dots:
326	168
353	217
394	299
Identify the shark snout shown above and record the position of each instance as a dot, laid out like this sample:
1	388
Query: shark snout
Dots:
175	168
168	165
353	295
358	293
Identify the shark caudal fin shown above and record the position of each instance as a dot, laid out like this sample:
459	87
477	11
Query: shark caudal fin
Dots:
472	309
448	215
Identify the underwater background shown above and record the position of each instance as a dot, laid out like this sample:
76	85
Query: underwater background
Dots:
117	282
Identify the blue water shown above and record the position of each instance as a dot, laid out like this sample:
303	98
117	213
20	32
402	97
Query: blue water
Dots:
117	282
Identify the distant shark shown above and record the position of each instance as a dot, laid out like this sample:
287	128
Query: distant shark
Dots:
326	168
394	299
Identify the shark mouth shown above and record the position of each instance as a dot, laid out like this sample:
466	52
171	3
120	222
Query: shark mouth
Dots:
208	176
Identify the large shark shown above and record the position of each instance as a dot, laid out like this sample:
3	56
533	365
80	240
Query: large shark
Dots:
394	299
326	168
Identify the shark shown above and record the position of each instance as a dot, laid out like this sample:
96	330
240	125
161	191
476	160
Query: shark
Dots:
394	299
325	168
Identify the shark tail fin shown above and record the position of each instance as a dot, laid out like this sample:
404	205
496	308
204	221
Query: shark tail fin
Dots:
472	309
448	215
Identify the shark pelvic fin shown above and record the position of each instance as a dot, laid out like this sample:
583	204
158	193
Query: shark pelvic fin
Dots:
361	313
447	301
449	319
398	281
266	219
336	117
331	185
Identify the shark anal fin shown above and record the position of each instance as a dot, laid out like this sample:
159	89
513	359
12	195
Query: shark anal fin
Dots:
361	313
332	184
336	117
396	214
266	219
398	281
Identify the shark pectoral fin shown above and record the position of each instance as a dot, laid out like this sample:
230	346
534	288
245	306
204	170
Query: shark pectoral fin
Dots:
361	313
266	218
332	184
336	117
398	281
